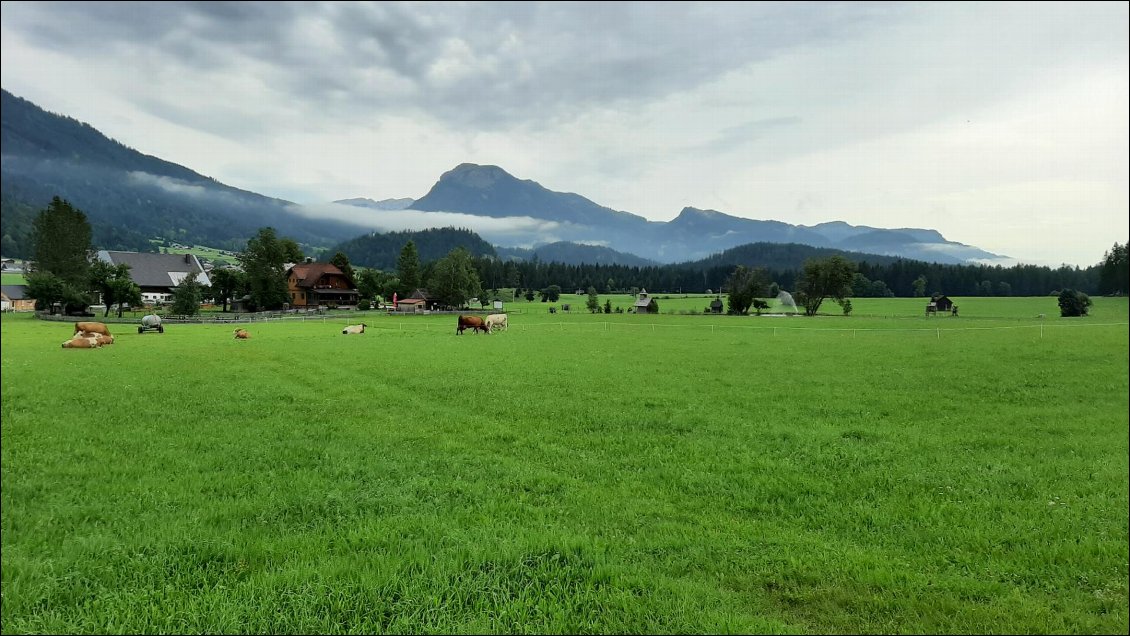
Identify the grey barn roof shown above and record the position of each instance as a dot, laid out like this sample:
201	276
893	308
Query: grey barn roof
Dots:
157	270
15	292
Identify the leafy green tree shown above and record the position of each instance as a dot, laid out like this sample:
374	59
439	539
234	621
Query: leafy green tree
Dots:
759	305
593	303
408	269
263	263
114	284
1114	271
530	295
826	278
551	293
48	289
1073	303
369	283
919	286
341	261
607	305
226	284
125	293
845	304
62	244
187	296
860	285
454	279
745	285
291	252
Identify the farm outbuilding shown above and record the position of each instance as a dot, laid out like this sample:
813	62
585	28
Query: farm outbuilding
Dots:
645	304
15	298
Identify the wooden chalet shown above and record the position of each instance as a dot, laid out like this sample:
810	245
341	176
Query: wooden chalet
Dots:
319	285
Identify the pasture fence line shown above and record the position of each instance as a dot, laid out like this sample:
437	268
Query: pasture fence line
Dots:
854	331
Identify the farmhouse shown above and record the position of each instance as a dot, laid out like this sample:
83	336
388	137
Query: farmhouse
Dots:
716	306
646	304
318	284
157	274
14	298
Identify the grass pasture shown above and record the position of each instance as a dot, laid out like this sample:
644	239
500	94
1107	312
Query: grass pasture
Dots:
879	473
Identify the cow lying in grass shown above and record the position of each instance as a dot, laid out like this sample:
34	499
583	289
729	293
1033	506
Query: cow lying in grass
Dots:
78	342
241	334
102	339
354	329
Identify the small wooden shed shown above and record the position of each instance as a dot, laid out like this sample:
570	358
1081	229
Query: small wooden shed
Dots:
645	304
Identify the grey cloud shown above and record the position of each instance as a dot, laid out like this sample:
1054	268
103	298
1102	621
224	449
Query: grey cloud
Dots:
480	64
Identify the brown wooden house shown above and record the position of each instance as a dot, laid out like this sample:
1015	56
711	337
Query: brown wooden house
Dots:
318	285
939	303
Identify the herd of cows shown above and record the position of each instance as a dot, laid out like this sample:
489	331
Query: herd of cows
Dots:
92	335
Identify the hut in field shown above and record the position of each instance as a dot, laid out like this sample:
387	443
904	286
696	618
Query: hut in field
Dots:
645	304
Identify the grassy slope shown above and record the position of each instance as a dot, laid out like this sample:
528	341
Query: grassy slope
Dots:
576	474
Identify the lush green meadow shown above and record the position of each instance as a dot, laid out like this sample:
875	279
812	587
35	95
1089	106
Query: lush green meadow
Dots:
878	473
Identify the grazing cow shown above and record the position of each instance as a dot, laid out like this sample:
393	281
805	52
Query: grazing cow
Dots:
474	323
92	327
79	342
496	321
241	334
354	329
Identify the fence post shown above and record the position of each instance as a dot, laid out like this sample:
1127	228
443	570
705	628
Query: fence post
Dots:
939	333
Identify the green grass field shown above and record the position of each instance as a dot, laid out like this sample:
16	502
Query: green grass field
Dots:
879	473
12	279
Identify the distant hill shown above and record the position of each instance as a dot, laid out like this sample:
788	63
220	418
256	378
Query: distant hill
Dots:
572	254
781	256
129	197
381	250
383	204
486	190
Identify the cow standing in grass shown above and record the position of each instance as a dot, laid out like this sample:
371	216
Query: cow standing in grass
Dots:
92	327
475	323
496	321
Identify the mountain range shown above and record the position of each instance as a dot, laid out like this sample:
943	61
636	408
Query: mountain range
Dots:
130	197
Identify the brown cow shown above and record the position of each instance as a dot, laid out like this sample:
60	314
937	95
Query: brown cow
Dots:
105	340
102	340
92	327
241	334
474	323
81	343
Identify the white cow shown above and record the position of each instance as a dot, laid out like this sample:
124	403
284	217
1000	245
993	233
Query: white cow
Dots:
497	320
354	329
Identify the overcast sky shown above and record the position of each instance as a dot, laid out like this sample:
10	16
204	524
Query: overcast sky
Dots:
1003	126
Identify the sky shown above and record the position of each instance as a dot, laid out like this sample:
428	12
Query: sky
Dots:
1001	125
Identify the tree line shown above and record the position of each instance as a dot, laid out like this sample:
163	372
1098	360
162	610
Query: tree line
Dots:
66	274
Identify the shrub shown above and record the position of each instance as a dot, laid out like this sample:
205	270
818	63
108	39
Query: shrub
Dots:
1073	303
